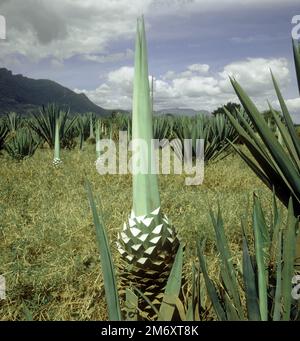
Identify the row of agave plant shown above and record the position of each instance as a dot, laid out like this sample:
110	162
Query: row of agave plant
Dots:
51	127
22	136
259	285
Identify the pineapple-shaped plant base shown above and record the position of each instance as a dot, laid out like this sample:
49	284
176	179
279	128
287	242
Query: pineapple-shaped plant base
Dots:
57	162
148	245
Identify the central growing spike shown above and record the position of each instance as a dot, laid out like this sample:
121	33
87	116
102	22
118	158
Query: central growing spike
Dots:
56	160
145	188
147	242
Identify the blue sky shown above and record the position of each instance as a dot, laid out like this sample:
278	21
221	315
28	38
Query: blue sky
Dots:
193	46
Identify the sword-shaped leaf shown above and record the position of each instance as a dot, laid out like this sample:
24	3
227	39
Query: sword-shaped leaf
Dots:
108	271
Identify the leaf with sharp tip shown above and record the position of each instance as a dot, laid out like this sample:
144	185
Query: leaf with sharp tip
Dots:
108	271
145	187
131	305
286	138
212	292
230	309
287	117
173	287
261	249
277	298
280	157
275	227
289	250
228	271
250	284
296	51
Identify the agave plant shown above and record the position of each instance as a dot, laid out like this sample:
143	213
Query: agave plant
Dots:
118	122
266	278
22	145
82	125
44	124
215	131
3	132
147	242
162	128
13	122
92	119
276	164
132	310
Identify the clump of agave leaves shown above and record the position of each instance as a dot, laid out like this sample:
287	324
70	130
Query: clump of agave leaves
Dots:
276	163
265	278
82	123
44	125
92	119
120	122
216	132
13	122
278	166
22	144
3	132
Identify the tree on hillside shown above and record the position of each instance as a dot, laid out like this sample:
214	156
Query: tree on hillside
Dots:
231	107
268	116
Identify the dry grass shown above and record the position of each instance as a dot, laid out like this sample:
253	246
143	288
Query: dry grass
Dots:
47	240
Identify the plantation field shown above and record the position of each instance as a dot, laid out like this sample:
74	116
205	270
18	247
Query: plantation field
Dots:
48	246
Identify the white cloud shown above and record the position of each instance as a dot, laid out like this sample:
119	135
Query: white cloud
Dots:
201	68
196	86
122	79
191	89
293	105
61	29
191	70
254	75
116	92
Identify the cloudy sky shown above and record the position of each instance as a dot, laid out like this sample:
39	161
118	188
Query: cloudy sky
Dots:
193	46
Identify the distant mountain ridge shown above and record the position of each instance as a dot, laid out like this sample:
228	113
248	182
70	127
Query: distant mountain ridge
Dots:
23	95
181	111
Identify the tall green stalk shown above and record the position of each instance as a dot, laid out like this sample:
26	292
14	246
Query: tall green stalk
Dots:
98	138
91	128
57	160
145	187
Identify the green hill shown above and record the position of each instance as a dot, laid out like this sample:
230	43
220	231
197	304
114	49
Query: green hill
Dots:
23	95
